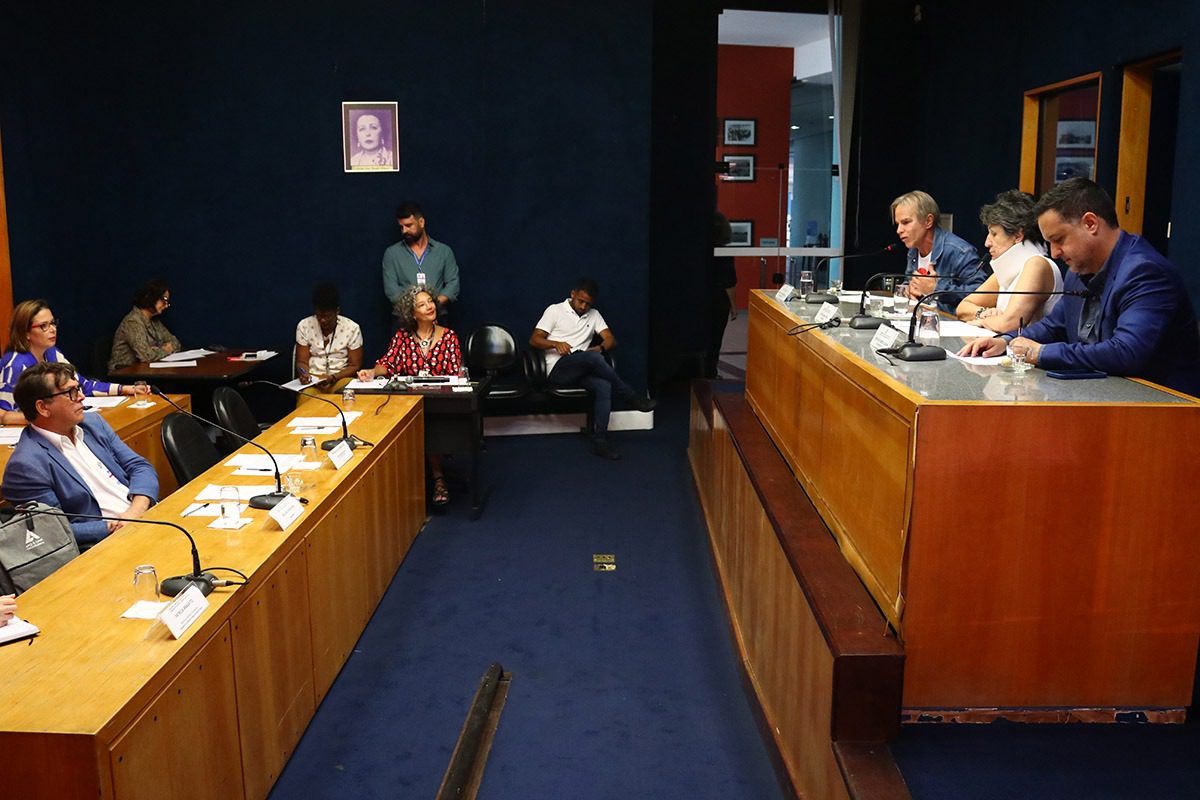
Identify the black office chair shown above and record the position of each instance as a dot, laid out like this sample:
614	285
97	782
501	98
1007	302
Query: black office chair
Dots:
189	450
233	412
492	353
101	352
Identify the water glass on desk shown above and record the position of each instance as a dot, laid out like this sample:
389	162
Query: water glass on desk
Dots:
805	286
231	503
308	449
1019	354
145	583
901	300
929	329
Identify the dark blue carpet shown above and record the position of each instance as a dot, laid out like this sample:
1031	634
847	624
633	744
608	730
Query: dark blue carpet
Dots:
1006	760
624	684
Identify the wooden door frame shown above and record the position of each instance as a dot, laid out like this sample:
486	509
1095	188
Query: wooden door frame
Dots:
1031	120
1133	141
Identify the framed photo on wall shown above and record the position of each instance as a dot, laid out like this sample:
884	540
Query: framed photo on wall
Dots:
741	132
370	136
743	233
741	168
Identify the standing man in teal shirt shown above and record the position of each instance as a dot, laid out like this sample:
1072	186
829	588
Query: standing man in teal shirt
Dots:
417	260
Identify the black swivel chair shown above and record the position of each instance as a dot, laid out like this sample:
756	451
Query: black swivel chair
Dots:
233	412
188	448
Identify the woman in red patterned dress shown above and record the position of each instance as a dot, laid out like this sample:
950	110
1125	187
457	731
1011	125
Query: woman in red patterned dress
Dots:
420	347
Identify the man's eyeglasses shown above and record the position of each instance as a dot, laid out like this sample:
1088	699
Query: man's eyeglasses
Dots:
165	301
45	326
73	394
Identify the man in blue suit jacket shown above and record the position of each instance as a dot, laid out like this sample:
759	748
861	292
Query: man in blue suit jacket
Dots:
1132	315
75	463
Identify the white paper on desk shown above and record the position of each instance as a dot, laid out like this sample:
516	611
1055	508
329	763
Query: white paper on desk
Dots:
102	401
171	364
144	609
213	491
17	628
986	361
295	385
255	355
143	404
222	524
320	422
375	383
951	327
261	461
208	510
314	430
188	355
301	465
10	434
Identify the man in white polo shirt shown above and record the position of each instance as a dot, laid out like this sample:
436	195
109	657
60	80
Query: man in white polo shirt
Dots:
564	334
74	463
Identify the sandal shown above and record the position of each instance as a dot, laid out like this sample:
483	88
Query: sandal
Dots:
441	495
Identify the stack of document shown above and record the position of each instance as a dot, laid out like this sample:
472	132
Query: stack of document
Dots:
16	629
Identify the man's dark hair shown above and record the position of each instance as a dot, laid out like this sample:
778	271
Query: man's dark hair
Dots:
587	285
325	297
408	209
33	386
150	293
1075	197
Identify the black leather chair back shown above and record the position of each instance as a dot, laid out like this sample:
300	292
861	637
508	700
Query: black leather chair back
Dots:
189	450
490	349
233	413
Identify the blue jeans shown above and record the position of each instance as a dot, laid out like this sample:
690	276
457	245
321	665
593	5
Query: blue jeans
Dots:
589	370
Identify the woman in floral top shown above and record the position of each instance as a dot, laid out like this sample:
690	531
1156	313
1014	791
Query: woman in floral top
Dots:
420	347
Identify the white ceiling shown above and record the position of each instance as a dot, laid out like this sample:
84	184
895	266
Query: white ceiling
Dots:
771	29
806	34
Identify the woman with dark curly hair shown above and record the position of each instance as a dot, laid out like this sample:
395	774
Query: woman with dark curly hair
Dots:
420	347
1019	263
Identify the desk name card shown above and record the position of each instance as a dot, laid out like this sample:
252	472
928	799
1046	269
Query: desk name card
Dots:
340	454
885	336
184	610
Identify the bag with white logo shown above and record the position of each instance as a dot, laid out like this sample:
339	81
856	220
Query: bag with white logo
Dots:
32	546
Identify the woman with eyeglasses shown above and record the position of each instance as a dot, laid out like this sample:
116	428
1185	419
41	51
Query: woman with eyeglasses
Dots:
32	337
141	336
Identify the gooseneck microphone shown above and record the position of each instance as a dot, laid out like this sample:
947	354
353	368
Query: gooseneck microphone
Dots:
825	297
914	351
259	500
863	321
351	441
204	581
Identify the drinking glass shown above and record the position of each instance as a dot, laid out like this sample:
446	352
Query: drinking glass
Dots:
929	329
1019	354
900	299
293	483
140	388
874	306
308	448
145	583
231	503
348	397
805	286
464	374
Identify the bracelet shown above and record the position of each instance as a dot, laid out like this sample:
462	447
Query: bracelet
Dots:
979	312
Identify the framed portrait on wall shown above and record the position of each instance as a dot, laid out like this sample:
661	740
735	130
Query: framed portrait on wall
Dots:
742	233
741	168
370	136
741	132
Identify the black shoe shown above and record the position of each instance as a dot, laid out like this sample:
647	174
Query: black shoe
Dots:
643	403
600	447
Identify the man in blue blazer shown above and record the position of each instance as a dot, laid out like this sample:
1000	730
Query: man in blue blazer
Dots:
1131	315
75	463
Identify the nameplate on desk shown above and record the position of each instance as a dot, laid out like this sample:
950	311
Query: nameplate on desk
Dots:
340	454
784	292
287	510
185	609
826	312
885	336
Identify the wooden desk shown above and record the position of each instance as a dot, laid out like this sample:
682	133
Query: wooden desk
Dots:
140	428
452	424
1031	550
215	367
100	707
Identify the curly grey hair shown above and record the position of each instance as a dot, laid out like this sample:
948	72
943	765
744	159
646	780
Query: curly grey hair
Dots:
1013	212
405	306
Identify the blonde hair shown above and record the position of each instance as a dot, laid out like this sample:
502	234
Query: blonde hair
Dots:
921	201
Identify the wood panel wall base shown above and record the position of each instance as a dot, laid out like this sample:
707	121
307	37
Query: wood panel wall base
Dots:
824	669
1044	716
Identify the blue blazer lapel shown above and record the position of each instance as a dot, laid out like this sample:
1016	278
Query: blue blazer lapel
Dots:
57	457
